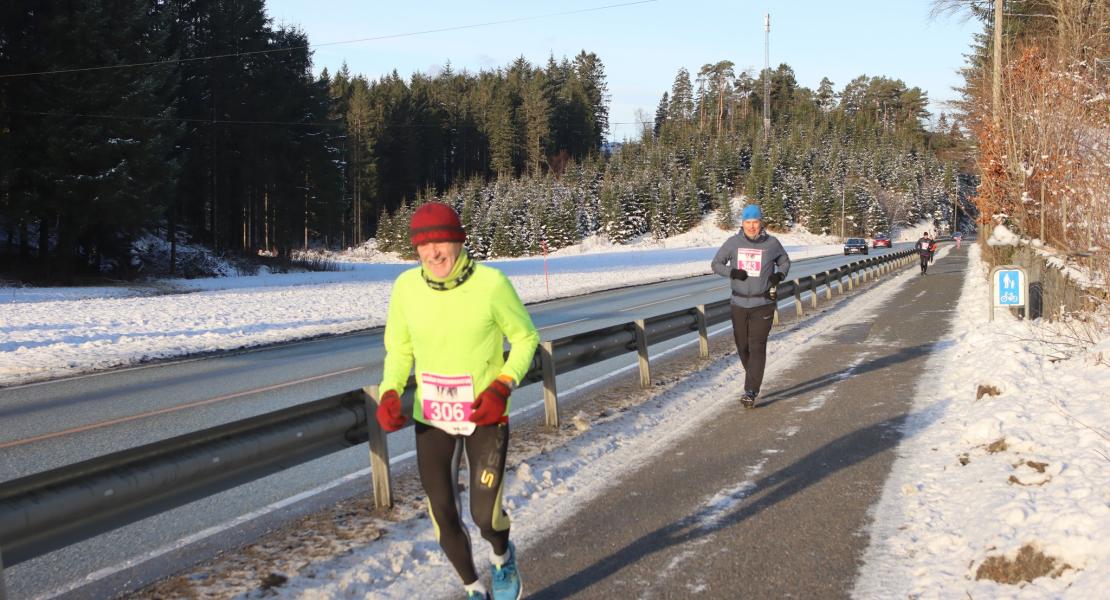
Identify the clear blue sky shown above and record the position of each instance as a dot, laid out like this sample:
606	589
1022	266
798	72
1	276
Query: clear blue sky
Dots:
642	45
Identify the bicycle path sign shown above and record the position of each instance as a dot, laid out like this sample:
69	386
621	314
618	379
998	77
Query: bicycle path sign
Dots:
1009	287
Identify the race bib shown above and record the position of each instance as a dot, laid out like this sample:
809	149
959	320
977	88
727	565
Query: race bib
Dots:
447	402
749	259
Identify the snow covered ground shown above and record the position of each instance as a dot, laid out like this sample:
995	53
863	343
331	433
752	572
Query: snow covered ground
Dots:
55	332
1022	472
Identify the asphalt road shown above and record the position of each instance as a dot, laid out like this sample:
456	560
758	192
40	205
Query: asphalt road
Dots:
796	475
60	422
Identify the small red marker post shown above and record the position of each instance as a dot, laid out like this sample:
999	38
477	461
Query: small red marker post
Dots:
546	282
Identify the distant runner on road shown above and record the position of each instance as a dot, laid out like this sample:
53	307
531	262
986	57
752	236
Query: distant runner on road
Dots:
924	246
449	318
755	264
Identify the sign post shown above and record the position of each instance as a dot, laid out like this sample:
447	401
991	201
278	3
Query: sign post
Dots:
1009	288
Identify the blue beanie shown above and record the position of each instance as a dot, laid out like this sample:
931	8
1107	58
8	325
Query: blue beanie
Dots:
751	211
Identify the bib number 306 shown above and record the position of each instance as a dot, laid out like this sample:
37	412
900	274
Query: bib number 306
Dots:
445	411
447	401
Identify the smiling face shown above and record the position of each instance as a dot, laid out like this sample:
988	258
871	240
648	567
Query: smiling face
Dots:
752	227
438	258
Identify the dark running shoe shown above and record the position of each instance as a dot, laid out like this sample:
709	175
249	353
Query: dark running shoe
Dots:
748	399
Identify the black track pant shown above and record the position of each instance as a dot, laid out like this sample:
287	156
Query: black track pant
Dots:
925	258
750	327
437	458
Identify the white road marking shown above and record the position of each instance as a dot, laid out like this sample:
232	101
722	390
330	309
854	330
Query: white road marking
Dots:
171	409
561	324
654	303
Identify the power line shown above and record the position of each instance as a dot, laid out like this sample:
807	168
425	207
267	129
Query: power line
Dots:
208	121
175	119
307	47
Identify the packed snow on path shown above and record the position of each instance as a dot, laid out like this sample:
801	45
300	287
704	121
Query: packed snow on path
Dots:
54	332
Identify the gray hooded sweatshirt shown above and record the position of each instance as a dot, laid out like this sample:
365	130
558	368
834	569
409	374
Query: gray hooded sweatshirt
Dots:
759	257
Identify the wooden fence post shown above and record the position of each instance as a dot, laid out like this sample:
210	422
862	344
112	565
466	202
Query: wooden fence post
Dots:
550	395
379	451
703	332
3	592
642	353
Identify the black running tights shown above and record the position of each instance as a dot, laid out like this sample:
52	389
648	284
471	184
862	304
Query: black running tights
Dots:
437	458
751	327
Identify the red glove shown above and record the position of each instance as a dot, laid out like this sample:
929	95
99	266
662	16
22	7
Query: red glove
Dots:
489	408
389	412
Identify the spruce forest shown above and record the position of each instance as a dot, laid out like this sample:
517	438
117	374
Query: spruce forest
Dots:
200	121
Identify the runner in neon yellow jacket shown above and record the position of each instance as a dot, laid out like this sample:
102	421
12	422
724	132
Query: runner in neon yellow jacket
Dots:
449	318
456	331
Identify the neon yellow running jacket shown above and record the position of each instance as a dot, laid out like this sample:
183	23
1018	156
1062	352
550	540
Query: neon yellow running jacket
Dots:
459	331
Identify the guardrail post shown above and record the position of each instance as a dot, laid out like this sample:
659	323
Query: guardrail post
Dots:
550	396
642	353
798	300
828	285
379	451
813	290
3	593
703	332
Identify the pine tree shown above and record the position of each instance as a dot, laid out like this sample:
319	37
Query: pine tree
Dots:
682	97
825	96
101	179
591	72
661	114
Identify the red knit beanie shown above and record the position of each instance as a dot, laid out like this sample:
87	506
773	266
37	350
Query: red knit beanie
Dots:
435	222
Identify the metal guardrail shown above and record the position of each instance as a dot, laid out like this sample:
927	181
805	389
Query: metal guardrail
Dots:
47	511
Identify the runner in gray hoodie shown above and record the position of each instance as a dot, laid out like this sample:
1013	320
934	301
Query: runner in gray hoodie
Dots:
755	263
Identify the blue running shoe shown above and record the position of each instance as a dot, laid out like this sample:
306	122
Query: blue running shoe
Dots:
506	579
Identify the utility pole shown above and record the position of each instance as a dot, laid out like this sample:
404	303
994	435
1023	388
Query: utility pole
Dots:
996	79
843	192
956	211
766	77
720	101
